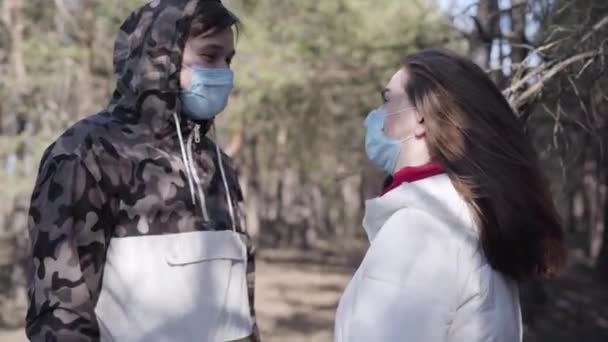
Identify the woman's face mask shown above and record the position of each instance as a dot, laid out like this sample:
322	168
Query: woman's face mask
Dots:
381	149
389	126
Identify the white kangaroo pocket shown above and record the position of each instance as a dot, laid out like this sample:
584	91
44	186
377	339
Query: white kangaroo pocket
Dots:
178	287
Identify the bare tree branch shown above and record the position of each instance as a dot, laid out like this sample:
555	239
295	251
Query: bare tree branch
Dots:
550	73
595	28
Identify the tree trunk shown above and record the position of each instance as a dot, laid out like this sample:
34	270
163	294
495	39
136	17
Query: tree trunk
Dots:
602	264
592	185
518	27
602	261
486	29
12	17
351	201
252	189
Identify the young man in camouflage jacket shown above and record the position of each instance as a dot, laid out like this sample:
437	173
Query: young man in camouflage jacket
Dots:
134	220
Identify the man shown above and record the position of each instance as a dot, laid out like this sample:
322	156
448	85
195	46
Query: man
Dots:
134	220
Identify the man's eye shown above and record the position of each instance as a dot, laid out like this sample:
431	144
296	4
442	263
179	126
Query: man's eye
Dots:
208	57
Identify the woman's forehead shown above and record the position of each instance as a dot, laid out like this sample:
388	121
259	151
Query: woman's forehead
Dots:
397	82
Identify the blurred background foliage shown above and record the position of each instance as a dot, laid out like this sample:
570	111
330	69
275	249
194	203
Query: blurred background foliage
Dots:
307	73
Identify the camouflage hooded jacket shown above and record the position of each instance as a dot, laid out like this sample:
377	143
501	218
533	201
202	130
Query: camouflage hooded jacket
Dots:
123	249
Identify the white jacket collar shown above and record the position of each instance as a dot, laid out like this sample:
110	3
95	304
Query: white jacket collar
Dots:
435	195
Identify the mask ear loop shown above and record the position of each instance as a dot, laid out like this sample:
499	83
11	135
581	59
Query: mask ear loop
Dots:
400	111
409	137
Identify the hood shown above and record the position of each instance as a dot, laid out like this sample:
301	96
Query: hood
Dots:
147	62
435	195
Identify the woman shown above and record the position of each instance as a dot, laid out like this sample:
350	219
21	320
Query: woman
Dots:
467	216
134	219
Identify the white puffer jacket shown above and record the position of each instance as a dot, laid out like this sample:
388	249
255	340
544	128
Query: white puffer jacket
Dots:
424	277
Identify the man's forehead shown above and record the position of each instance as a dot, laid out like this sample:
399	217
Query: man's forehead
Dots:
219	40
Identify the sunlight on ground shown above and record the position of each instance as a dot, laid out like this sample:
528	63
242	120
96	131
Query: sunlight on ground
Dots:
296	301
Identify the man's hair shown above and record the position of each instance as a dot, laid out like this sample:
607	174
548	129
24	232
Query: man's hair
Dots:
210	17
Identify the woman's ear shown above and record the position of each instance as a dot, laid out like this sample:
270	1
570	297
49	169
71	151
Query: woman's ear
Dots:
419	117
420	128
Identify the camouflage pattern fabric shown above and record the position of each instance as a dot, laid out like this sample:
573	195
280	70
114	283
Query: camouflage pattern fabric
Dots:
119	173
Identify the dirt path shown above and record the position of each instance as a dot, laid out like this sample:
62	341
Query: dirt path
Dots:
12	336
296	294
296	301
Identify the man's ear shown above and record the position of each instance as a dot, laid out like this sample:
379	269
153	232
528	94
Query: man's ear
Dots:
185	77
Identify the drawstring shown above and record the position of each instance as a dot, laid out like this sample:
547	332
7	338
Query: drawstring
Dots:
184	158
192	174
190	169
226	188
197	180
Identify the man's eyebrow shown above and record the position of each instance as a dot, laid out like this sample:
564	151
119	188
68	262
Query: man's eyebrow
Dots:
211	46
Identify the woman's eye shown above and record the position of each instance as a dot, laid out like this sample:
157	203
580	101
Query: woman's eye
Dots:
383	95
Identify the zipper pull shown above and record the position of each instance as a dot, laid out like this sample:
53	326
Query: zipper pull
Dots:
197	133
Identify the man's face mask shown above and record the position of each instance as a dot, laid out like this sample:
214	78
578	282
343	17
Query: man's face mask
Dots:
208	93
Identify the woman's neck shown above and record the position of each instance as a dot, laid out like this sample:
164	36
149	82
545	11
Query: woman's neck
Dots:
413	155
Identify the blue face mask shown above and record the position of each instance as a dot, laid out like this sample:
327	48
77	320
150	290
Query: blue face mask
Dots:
208	93
381	149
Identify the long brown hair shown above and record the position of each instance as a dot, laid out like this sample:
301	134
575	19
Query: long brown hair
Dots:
472	130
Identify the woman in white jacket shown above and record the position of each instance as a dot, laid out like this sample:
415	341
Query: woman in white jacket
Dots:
467	216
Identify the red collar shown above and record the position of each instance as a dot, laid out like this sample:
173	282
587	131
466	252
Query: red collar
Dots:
415	173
